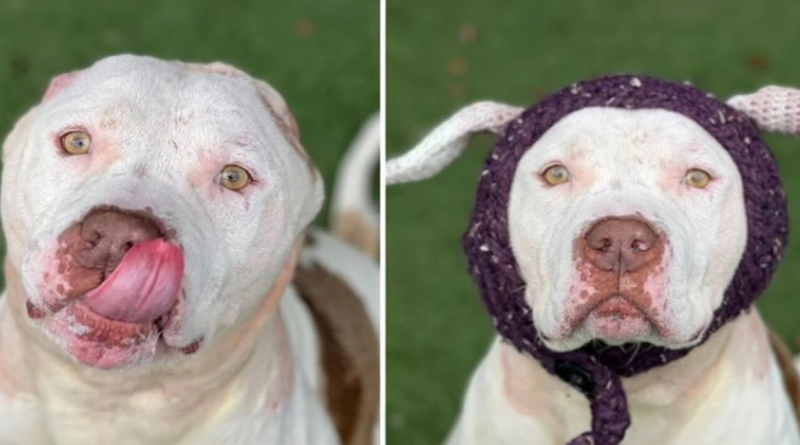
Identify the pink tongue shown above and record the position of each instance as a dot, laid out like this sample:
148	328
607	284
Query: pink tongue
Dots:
143	287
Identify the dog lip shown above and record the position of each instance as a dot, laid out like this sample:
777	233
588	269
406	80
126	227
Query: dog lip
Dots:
615	304
161	324
618	300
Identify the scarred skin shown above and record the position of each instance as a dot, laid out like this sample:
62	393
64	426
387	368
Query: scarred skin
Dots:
232	357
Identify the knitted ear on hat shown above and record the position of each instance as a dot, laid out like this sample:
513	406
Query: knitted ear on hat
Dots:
774	108
448	141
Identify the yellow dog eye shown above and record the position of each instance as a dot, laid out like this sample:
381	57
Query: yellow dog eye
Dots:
235	177
555	175
697	178
76	142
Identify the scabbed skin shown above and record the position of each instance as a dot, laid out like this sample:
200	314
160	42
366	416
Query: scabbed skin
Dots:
595	369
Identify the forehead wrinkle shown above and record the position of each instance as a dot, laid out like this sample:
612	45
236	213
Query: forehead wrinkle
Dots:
232	107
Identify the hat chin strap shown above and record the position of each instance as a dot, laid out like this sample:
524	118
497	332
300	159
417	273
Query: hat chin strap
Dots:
607	401
447	141
774	108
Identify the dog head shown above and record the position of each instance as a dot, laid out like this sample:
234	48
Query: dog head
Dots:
632	224
623	209
150	204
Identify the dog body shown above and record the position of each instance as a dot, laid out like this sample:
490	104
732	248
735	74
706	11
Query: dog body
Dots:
192	203
728	390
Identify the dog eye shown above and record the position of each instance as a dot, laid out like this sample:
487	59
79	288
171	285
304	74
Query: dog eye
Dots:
697	178
555	175
235	177
76	142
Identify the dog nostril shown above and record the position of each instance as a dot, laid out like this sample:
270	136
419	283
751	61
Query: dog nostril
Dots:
620	243
600	243
603	245
92	236
643	238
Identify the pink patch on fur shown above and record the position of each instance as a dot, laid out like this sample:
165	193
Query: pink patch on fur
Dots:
60	83
656	284
34	312
201	175
96	341
283	376
144	286
618	320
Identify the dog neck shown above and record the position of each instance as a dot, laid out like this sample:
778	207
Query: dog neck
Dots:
735	358
250	364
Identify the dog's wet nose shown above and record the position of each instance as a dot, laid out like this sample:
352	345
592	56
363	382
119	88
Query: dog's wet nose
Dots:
110	234
621	244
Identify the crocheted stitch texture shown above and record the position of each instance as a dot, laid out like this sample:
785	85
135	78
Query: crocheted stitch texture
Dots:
596	368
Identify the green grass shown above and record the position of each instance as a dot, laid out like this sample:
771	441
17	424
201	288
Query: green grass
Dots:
323	56
437	330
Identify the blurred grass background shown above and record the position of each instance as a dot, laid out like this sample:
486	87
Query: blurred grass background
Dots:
322	55
445	54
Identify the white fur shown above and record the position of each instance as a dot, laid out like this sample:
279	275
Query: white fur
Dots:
166	129
728	390
351	192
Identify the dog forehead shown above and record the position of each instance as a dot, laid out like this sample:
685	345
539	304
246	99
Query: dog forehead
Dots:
612	136
142	87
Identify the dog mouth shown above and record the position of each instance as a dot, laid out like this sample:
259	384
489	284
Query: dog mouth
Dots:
617	318
114	287
620	295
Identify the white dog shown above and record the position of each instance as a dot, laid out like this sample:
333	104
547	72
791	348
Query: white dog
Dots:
627	226
155	213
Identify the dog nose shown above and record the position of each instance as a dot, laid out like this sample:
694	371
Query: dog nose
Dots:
110	234
621	244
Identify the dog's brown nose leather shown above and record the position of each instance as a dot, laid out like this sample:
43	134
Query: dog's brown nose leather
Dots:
621	244
110	234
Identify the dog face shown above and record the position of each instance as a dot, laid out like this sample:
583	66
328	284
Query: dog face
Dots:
149	205
631	223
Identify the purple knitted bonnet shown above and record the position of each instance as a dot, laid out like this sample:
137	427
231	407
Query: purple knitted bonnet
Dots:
595	369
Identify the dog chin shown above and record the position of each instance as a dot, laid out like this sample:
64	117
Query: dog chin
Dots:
96	341
617	332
